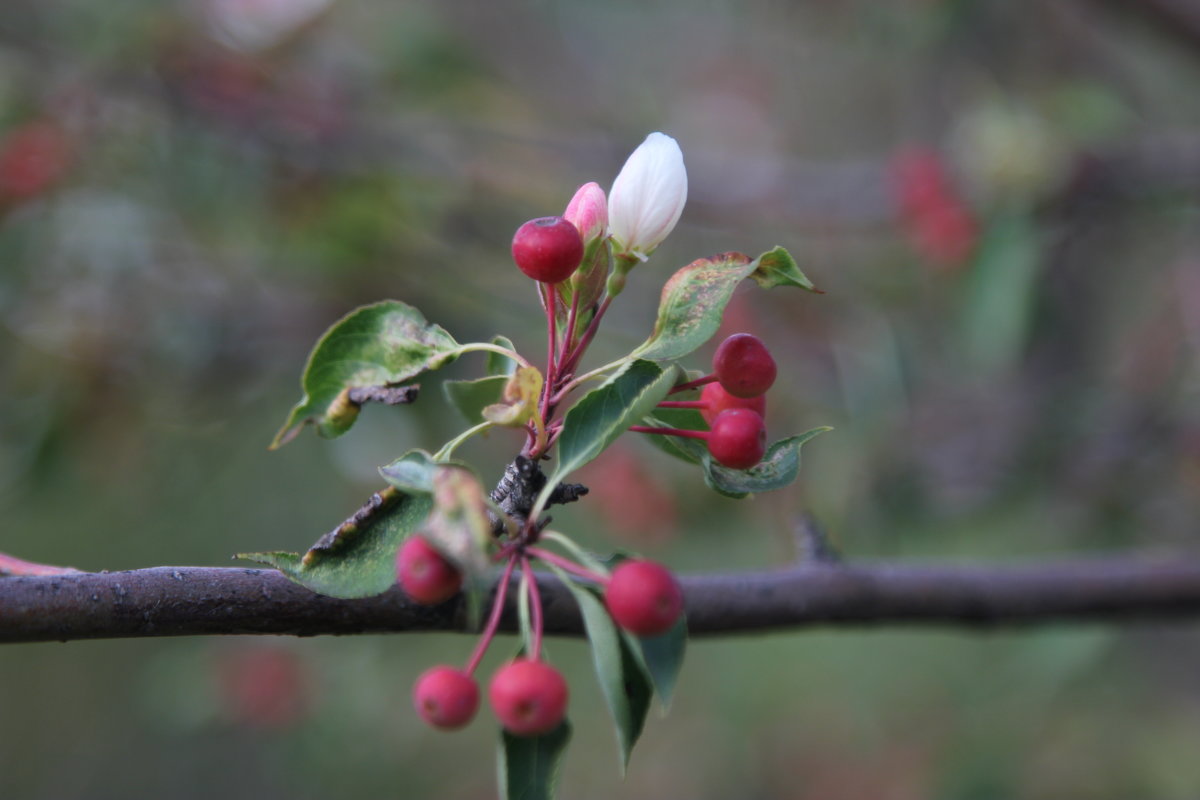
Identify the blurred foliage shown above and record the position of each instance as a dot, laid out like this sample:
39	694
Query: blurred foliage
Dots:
190	192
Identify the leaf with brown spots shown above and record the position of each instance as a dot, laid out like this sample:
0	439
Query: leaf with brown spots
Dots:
695	297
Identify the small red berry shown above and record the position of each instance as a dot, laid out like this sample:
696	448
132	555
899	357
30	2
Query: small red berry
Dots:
547	249
446	697
528	697
743	365
425	574
738	438
719	400
644	598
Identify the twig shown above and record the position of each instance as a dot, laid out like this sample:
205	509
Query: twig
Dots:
520	485
812	545
186	601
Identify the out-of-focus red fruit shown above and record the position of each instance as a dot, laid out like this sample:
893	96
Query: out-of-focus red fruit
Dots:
424	574
634	502
945	234
933	213
32	158
264	687
918	179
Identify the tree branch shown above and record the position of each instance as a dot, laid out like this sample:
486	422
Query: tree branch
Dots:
185	601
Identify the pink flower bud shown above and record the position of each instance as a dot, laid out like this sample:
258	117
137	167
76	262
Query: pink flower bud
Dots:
648	196
588	211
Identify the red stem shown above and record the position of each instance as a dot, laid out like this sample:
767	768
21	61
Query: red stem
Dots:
670	432
585	340
549	297
567	566
493	622
572	316
551	352
683	387
683	404
535	608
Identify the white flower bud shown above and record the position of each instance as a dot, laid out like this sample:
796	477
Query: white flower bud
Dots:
648	196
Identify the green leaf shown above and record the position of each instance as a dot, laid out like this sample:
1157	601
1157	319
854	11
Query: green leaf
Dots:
626	687
662	657
778	268
498	364
358	559
411	472
694	298
779	467
529	765
607	411
689	450
471	397
376	345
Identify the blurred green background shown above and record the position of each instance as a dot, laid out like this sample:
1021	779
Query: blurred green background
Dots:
1000	200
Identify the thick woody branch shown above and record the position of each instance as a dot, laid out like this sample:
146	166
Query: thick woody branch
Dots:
185	601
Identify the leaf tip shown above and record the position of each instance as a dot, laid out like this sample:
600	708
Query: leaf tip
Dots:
285	435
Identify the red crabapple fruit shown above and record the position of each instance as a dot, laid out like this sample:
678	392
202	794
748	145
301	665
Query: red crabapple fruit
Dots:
743	365
718	400
643	597
446	697
738	438
528	697
547	249
425	574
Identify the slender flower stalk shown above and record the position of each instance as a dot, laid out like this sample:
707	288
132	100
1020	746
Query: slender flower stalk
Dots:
683	387
566	565
535	608
588	335
671	432
489	632
569	335
551	336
